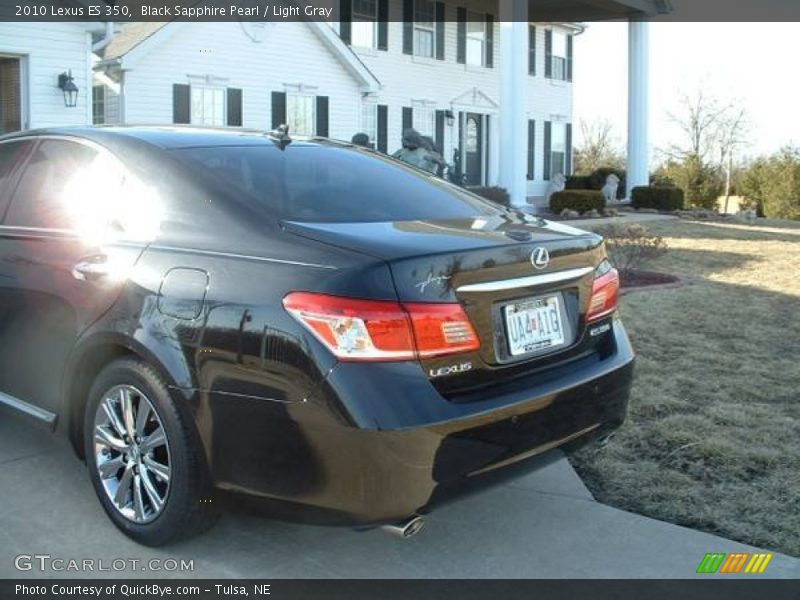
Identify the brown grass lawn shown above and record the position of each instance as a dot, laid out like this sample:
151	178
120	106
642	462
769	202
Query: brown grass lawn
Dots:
712	439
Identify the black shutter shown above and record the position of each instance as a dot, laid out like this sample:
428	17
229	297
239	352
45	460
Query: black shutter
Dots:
383	24
569	58
531	50
489	40
383	128
408	118
461	46
408	26
440	25
278	108
568	158
181	103
234	107
439	139
531	148
322	116
345	18
547	150
548	53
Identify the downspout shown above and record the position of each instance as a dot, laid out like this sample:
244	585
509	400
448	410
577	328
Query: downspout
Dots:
107	37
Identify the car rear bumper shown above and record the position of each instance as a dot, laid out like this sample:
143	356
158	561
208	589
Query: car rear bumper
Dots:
375	449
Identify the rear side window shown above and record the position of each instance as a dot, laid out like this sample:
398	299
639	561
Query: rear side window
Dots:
306	182
40	199
10	156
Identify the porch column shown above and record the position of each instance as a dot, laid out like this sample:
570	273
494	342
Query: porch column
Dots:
513	87
638	171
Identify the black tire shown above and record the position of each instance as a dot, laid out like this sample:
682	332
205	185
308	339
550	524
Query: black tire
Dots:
187	508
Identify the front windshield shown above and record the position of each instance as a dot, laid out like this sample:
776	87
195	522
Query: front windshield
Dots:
322	183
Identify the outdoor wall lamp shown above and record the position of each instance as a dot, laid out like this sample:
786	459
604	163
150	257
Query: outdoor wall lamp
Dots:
67	85
449	117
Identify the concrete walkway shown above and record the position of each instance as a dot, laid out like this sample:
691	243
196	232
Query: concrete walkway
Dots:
545	525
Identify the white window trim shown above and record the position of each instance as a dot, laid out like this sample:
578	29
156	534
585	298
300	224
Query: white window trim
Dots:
484	41
415	25
372	18
301	93
205	87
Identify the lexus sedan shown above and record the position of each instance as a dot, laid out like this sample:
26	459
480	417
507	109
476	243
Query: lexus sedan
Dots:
304	324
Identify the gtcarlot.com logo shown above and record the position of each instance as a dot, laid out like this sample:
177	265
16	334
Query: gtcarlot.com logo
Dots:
46	562
734	563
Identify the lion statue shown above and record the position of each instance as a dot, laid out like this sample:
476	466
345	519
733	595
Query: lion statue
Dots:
610	188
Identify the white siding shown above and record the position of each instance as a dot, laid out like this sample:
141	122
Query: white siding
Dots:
49	49
289	54
448	85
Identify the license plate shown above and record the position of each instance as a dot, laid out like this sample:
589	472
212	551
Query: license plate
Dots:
534	325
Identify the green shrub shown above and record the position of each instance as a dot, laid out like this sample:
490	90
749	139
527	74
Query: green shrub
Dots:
495	194
599	176
659	198
579	200
772	183
579	182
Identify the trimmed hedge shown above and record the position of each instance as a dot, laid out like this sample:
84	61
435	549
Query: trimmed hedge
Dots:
579	200
659	198
579	182
495	194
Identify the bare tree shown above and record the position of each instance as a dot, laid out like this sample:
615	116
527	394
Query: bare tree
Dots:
598	148
732	135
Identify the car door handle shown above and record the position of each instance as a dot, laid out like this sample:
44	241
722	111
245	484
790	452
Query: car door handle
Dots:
91	269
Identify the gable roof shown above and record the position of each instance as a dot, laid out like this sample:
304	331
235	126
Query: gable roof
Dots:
128	37
139	38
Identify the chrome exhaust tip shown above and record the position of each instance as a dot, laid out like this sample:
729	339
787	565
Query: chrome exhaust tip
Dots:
406	529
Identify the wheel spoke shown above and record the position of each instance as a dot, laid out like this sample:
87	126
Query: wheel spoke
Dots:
127	411
150	490
110	468
107	439
113	417
124	487
142	416
138	501
153	441
161	471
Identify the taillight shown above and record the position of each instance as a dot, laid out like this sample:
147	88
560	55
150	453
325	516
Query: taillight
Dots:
377	330
605	290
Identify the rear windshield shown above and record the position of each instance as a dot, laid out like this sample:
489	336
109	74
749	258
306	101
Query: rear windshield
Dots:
309	182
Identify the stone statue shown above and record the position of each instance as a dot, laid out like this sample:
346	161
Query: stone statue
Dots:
414	152
610	188
557	184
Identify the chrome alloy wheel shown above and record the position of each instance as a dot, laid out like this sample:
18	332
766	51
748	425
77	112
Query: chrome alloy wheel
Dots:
131	453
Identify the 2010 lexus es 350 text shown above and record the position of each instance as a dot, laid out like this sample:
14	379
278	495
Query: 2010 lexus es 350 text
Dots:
305	323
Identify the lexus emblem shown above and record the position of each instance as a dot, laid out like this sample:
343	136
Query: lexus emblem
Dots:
540	257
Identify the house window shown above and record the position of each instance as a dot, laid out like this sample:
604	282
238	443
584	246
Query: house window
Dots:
424	28
559	56
300	113
425	121
208	106
476	40
365	23
369	120
558	149
98	105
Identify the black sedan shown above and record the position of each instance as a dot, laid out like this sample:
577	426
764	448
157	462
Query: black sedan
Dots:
309	325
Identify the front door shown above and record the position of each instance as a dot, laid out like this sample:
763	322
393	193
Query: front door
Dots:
473	148
10	94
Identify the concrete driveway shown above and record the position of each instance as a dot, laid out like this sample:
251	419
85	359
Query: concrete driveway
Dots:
545	525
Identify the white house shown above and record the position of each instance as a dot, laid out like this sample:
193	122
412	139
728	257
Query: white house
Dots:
362	75
34	59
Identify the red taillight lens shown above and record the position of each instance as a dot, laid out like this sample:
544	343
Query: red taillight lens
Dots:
605	290
377	330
